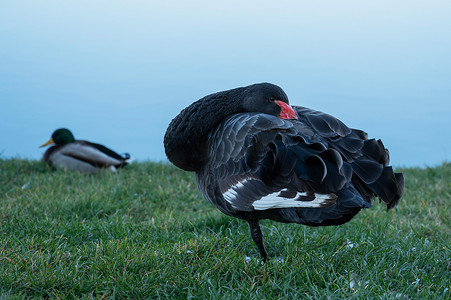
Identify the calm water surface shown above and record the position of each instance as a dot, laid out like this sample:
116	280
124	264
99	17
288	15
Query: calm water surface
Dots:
117	72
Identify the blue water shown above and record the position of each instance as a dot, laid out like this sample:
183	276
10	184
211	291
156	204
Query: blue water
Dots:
116	72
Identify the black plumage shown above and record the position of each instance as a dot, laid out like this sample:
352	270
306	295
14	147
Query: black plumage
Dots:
257	158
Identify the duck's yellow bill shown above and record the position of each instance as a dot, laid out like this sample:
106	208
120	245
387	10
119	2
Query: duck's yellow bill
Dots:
48	143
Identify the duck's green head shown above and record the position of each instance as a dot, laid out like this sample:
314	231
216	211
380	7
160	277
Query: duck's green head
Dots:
60	137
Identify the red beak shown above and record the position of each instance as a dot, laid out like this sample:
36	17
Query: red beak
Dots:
287	111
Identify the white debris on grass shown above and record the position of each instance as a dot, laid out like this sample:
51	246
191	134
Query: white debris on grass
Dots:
353	278
278	260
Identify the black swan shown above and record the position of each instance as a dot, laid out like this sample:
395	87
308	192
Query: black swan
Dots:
256	157
83	156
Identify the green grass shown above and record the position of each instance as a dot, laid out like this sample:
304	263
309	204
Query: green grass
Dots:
145	232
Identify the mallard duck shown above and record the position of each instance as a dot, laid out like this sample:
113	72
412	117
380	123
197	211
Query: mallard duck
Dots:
256	157
83	156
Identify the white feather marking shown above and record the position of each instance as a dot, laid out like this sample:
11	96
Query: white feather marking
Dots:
275	201
231	193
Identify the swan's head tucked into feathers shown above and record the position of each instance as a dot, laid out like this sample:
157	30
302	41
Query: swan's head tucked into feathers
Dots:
186	137
269	99
60	137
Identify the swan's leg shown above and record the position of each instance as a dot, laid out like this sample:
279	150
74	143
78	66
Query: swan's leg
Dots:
257	236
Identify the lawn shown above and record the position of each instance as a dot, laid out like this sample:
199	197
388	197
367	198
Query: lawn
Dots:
146	232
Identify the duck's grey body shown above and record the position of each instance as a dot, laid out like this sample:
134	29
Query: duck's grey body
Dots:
79	156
